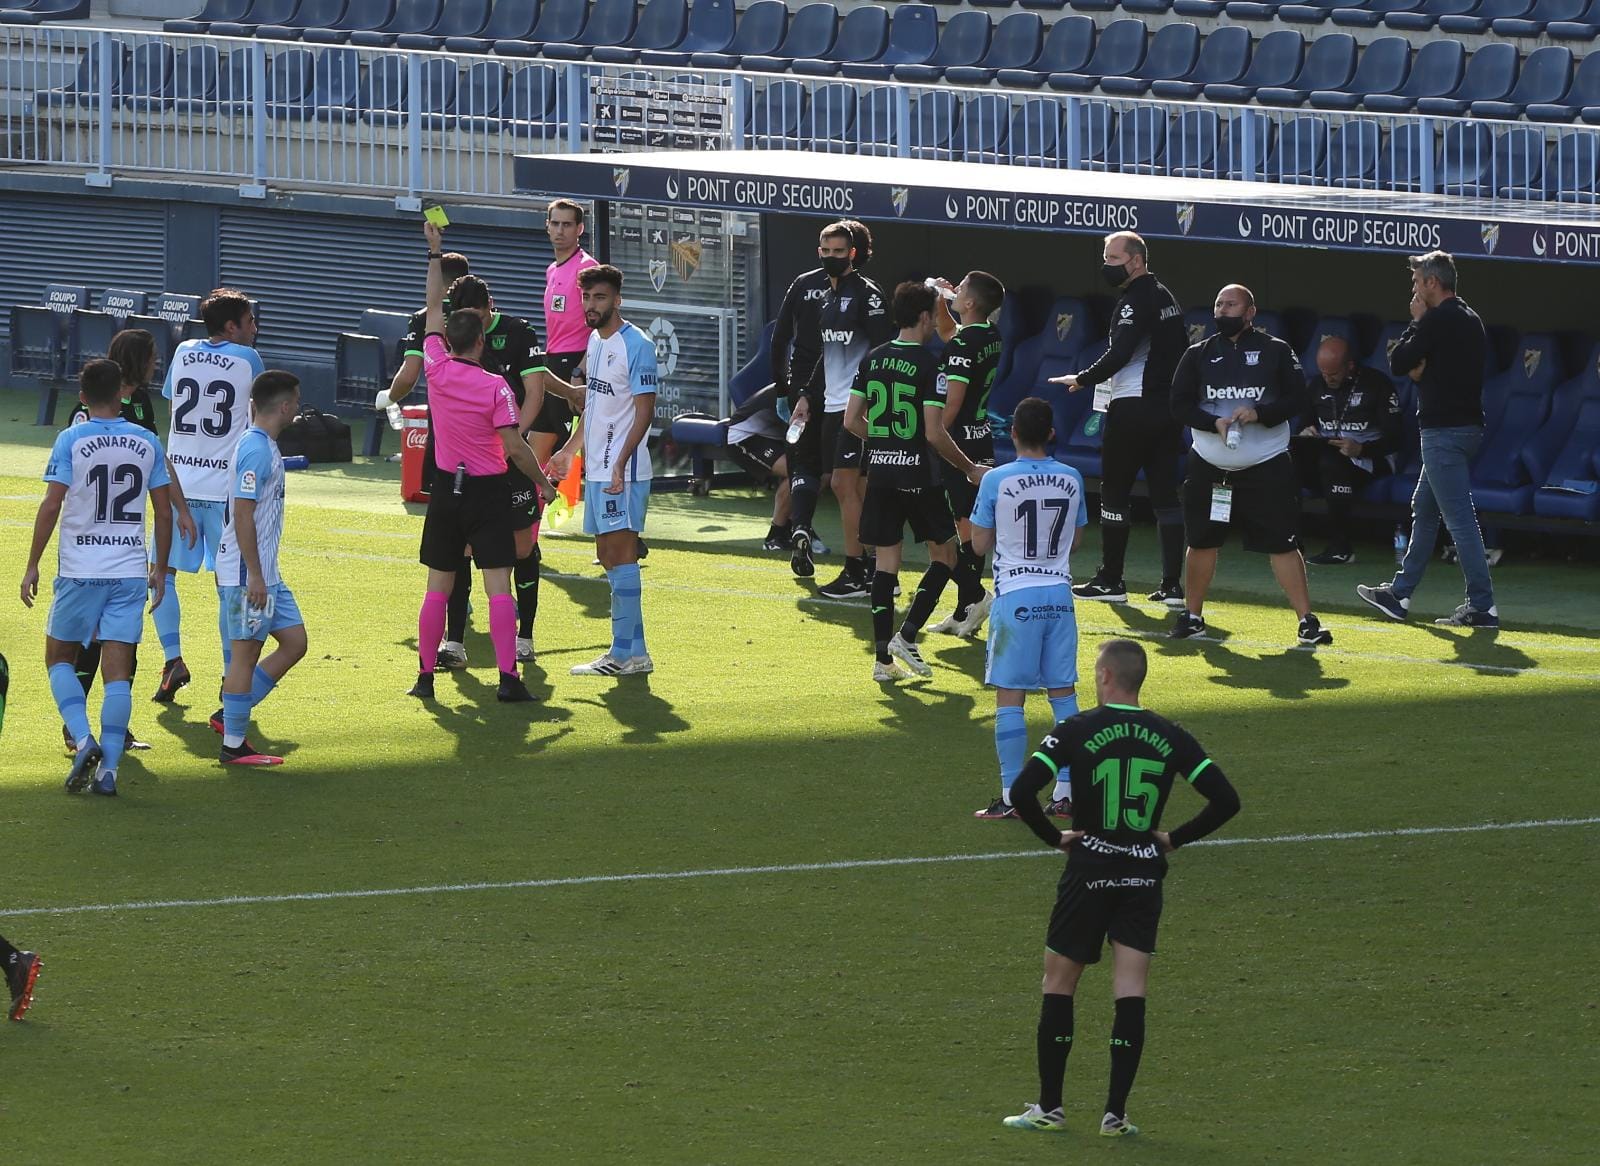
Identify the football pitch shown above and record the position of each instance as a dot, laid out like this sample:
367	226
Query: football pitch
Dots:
739	911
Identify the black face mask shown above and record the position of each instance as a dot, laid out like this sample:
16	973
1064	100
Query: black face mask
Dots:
835	265
1230	326
1115	276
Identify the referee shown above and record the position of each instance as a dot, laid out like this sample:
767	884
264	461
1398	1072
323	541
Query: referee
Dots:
1132	383
1125	761
476	432
1238	390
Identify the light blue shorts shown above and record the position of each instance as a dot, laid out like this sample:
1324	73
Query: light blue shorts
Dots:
608	513
208	522
97	609
1033	639
239	622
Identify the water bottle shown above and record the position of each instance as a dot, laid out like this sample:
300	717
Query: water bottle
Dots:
1234	433
1400	544
796	428
397	418
944	293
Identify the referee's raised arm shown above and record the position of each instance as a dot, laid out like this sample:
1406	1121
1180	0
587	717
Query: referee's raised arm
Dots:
435	312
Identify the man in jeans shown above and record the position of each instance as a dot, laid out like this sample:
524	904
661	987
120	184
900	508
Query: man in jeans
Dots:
1443	351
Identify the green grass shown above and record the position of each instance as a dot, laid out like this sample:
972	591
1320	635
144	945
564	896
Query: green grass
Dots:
1396	999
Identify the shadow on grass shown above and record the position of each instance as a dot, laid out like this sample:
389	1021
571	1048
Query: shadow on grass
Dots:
1483	651
643	716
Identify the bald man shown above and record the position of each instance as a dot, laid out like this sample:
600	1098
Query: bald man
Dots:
1238	390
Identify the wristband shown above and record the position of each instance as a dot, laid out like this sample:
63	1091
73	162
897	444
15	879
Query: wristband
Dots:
432	255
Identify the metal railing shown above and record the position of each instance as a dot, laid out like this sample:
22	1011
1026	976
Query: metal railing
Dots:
265	113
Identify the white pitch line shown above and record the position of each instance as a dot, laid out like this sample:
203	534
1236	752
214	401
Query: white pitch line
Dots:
729	871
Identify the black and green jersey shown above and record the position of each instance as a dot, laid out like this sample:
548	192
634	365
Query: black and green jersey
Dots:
511	348
136	407
897	379
1123	762
971	358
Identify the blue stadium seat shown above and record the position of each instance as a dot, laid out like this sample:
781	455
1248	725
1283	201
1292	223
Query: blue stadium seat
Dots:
863	36
1152	7
1309	12
829	121
913	42
1564	456
1067	48
458	18
1224	56
1328	328
415	16
1466	152
381	93
1016	44
662	26
480	98
876	127
984	131
1574	166
1400	162
334	81
262	12
1094	133
610	23
1329	64
1382	69
1231	150
1582	94
90	333
1491	72
1276	62
288	83
1539	17
933	123
386	104
147	80
1251	9
1035	135
1093	5
310	14
42	10
1138	146
759	31
560	22
811	36
1174	49
709	29
1192	144
510	20
1435	70
39	353
214	11
1423	18
962	44
1353	152
1083	427
1484	14
84	88
1300	154
1118	52
1517	167
1208	9
530	107
359	16
194	78
1501	481
1546	75
1371	13
1584	27
775	114
1061	348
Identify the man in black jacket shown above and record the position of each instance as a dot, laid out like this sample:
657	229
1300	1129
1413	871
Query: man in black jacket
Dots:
1238	390
1132	384
1443	350
1349	439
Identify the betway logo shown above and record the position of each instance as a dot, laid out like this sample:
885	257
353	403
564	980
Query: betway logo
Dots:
837	336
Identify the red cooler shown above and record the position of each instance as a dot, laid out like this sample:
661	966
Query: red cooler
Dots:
414	454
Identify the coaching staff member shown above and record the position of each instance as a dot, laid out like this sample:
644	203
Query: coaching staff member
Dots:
1116	864
1443	351
1132	383
1348	440
1238	390
474	418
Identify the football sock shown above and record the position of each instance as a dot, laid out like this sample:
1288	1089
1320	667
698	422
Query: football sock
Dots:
115	710
261	686
235	718
8	954
222	634
627	611
503	632
925	600
1062	707
1055	1043
858	566
1171	553
430	623
1113	550
968	577
883	585
166	618
525	577
69	696
1127	1043
460	603
1010	745
802	501
88	664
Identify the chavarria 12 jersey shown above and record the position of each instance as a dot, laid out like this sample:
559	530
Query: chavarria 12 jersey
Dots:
108	467
208	384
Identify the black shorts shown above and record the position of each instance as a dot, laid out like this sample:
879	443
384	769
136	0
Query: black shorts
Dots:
764	450
1095	906
1266	505
963	495
888	510
555	415
841	449
479	517
525	504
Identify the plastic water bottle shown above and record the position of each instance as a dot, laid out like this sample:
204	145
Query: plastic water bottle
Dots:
397	419
1234	433
796	428
1400	544
943	292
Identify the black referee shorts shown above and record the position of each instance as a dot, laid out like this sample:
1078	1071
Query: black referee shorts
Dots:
479	517
1266	505
525	504
555	415
886	511
1139	435
1091	908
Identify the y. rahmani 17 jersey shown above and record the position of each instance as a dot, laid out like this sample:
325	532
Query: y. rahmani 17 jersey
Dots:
1034	506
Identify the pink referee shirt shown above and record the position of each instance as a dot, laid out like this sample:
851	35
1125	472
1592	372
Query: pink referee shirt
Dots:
564	329
467	407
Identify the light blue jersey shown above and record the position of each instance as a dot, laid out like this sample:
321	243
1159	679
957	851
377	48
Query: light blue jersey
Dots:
256	475
208	384
108	468
621	366
1034	506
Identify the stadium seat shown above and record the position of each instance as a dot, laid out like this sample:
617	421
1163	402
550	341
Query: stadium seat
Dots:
1371	13
91	334
1300	154
310	14
775	115
530	107
1118	52
1276	62
1192	144
611	22
441	76
1329	64
509	20
1483	15
1067	49
1400	159
84	88
863	36
194	78
1138	144
1575	174
1565	455
1545	77
147	80
1074	417
1035	136
480	97
413	16
289	73
1382	69
983	133
38	353
913	42
1582	94
1517	168
1151	7
1424	17
1328	328
708	28
1466	153
262	12
334	80
214	11
1491	72
811	36
1224	56
42	10
381	95
120	303
1094	134
962	45
457	18
1538	18
933	123
1173	51
560	22
1435	70
828	123
1231	150
1353	152
1584	27
1016	44
877	130
1058	349
359	16
759	31
662	26
1208	9
1501	478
